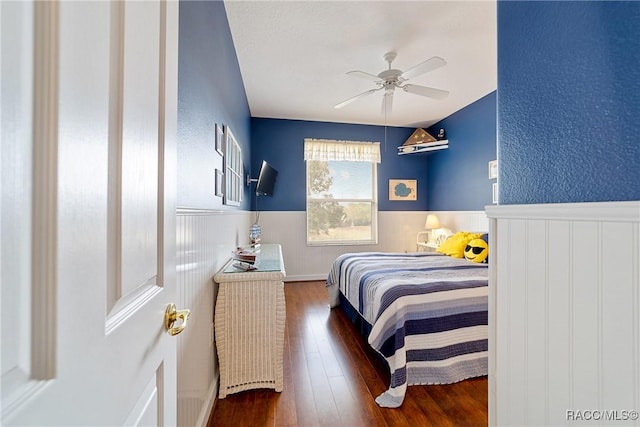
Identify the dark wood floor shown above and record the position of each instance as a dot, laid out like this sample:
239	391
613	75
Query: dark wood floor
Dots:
332	376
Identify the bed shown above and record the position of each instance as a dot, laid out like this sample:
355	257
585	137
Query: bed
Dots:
427	314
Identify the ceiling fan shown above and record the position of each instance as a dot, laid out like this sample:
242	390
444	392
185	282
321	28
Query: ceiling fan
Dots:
391	79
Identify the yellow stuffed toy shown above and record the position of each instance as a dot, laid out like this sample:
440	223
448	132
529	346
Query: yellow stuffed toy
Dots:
477	250
454	245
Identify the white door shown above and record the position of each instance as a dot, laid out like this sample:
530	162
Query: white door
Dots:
89	93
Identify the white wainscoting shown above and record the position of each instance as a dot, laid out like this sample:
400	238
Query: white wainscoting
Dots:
396	233
564	313
205	240
463	220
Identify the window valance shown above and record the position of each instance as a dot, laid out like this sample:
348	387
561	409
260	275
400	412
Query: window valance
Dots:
352	151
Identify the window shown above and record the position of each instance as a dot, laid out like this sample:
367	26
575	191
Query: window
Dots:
341	194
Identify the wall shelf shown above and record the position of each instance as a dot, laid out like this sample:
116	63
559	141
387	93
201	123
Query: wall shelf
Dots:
423	147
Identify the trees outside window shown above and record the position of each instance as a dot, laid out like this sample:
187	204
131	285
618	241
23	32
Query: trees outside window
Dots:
341	202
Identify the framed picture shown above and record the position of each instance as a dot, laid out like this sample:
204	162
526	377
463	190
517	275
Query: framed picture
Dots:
219	183
403	189
233	170
493	169
494	191
219	139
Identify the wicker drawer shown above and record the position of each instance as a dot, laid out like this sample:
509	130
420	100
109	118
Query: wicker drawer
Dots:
249	326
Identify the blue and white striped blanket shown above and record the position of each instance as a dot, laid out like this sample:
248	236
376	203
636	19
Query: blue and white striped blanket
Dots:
428	314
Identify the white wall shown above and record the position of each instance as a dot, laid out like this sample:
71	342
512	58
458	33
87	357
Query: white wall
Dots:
396	233
564	312
205	240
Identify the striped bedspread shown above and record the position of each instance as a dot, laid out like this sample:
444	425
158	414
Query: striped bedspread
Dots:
428	314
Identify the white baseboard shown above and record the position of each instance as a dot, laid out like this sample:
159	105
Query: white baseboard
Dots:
306	277
212	397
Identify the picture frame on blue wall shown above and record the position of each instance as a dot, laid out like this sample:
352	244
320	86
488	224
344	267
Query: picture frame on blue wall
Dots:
493	169
494	192
233	172
219	182
403	189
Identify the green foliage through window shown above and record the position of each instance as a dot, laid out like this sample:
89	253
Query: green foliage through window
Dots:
341	208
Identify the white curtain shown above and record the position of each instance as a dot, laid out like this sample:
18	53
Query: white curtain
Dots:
353	151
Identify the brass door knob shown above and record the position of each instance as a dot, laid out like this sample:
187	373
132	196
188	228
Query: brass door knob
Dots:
170	317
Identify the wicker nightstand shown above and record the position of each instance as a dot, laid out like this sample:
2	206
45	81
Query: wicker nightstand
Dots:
249	324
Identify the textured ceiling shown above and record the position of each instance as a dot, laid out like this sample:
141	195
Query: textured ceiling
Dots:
294	56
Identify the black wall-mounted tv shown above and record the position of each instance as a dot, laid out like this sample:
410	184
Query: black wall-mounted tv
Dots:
266	180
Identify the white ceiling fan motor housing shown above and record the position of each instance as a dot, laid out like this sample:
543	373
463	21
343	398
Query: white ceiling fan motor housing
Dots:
391	76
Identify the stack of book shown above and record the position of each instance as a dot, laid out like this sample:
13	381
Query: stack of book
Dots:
245	266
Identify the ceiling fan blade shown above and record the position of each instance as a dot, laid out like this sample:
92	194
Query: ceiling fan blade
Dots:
355	98
424	67
426	91
364	75
387	103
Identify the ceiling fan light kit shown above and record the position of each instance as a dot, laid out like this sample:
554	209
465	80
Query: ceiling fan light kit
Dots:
391	78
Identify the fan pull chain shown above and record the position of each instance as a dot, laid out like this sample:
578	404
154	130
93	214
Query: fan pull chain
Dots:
385	130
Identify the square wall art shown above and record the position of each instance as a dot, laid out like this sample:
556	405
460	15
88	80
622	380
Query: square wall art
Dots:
403	189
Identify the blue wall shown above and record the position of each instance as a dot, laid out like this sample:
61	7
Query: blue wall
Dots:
569	101
281	144
458	176
452	179
210	91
